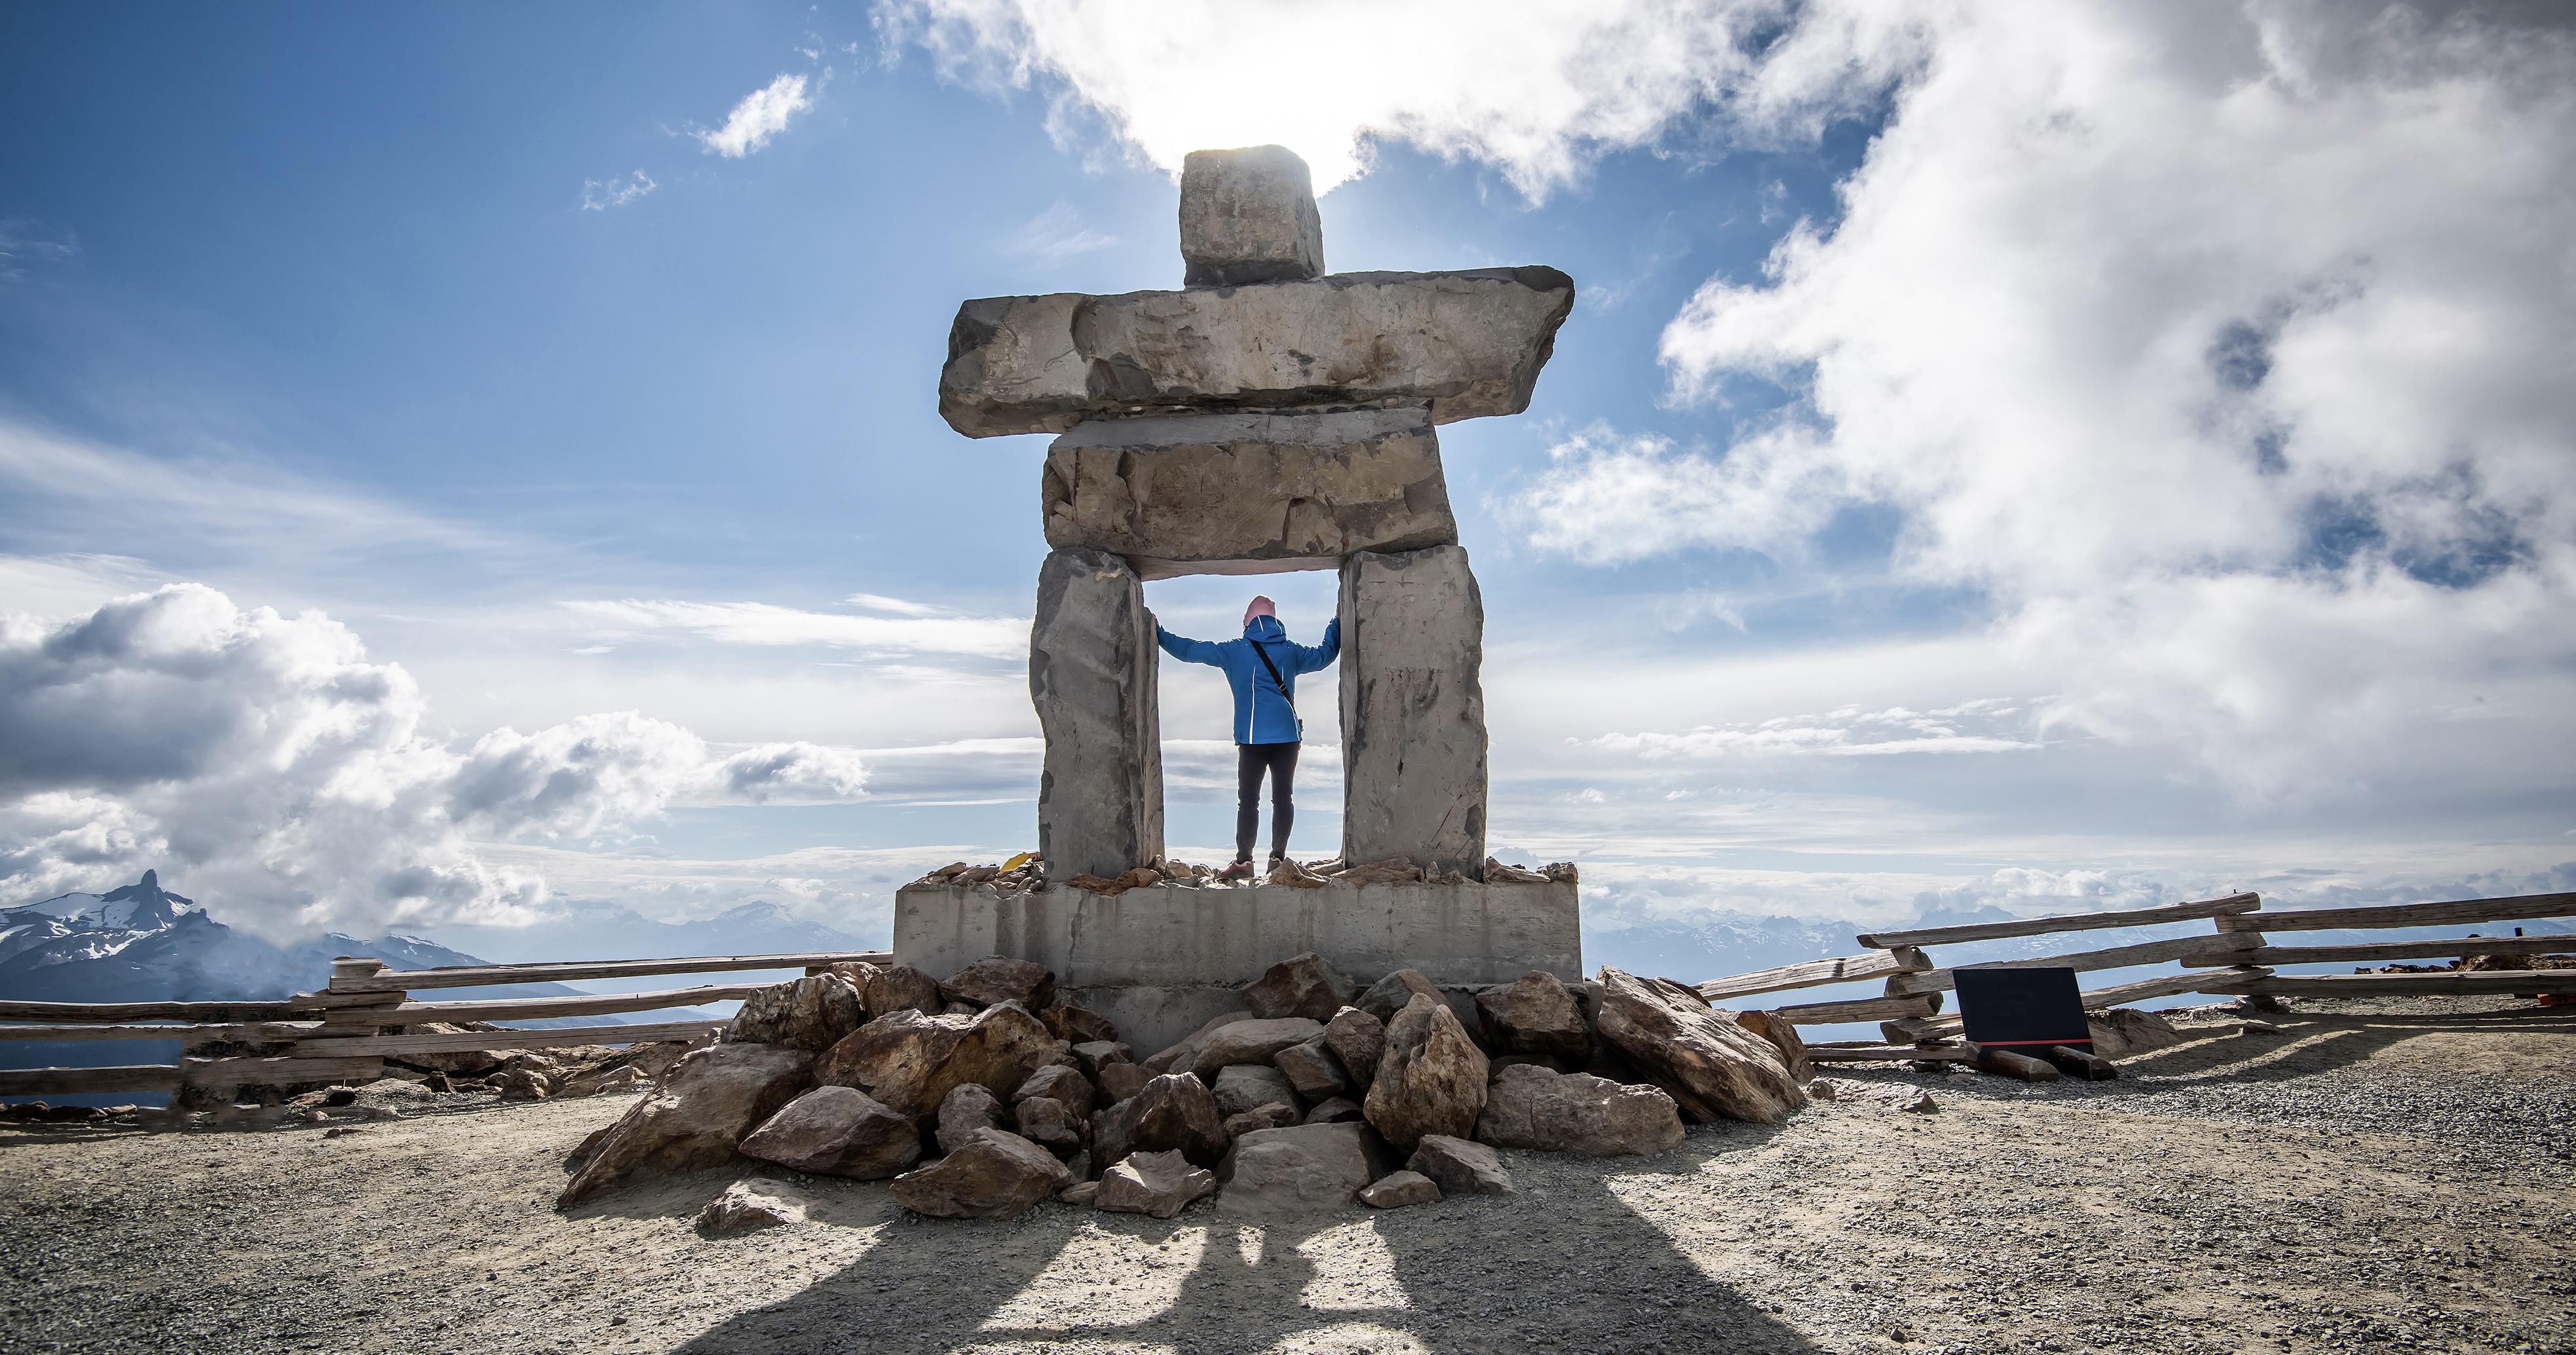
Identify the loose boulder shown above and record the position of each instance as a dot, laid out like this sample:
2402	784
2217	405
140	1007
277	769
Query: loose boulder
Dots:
1254	1041
1045	1120
1243	1086
1077	1025
1304	985
708	1101
2123	1031
997	978
1432	1078
1168	1060
1058	1083
811	1014
1118	1081
1533	1107
1713	1068
1312	1069
1395	1190
1459	1167
1093	1055
967	1108
1300	1170
1535	1014
993	1175
1161	1184
746	1205
1174	1111
1783	1036
911	1062
1359	1041
837	1131
1389	995
1271	1116
901	988
1336	1111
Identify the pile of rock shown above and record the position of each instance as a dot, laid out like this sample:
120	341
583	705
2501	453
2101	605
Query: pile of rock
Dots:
983	1094
1026	872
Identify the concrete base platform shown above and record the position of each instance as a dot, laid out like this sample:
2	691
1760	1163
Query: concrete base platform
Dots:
1161	960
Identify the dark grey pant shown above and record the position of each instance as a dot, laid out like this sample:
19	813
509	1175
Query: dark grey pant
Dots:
1251	760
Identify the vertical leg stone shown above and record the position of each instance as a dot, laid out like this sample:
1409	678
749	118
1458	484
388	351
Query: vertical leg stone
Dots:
1413	709
1092	662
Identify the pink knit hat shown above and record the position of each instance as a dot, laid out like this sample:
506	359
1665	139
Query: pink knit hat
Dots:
1261	606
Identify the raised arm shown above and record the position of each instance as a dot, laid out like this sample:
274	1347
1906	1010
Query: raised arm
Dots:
1189	651
1312	657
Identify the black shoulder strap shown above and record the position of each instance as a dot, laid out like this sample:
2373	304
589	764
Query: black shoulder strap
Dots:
1284	693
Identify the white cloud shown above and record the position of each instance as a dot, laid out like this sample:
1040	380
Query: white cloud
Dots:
21	250
263	760
2222	347
761	623
1055	235
598	195
762	114
1983	726
1537	89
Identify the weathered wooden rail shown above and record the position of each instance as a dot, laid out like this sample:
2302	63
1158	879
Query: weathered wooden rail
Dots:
2240	954
337	1034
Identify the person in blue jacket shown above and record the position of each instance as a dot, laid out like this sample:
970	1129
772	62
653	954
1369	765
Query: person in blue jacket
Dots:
1262	667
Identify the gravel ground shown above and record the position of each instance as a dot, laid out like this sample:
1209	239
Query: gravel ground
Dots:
2380	1177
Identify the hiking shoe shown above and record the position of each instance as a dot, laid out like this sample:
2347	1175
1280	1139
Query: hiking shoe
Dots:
1240	870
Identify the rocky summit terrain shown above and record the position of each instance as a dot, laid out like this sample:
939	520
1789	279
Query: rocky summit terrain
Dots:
2391	1175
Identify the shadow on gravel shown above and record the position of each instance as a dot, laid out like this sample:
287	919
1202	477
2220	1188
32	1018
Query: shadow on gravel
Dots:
2310	1045
1467	1274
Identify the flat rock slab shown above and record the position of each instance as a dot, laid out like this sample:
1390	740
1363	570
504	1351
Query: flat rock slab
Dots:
1248	493
1468	344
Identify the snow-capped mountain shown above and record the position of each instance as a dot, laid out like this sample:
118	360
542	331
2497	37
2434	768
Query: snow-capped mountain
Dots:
143	943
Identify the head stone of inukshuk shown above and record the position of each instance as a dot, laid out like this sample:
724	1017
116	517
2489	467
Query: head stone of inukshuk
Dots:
1270	416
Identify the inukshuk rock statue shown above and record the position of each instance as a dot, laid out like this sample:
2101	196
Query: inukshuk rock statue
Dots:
1271	416
1268	417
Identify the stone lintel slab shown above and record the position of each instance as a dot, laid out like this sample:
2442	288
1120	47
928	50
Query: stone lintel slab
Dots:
1093	665
1165	952
1248	492
1247	216
1468	344
1413	710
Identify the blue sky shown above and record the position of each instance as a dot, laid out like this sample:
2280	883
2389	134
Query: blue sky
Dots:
2114	454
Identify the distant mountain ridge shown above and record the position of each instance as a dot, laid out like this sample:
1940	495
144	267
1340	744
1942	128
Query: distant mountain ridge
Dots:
142	943
605	931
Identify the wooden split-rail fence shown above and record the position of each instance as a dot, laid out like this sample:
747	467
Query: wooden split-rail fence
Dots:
2239	959
338	1034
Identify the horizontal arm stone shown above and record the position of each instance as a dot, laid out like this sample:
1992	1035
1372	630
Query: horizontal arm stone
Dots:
1248	493
1467	344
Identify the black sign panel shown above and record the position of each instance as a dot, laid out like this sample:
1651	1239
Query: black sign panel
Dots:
2023	1010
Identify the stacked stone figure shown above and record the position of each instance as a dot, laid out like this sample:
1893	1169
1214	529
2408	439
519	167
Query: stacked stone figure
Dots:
1268	417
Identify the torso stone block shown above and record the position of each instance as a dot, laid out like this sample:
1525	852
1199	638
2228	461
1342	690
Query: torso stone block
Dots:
1413	710
1248	493
1092	667
1468	344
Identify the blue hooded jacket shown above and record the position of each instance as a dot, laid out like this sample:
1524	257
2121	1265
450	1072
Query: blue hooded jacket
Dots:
1262	714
